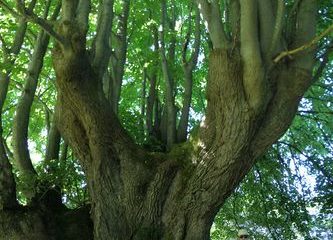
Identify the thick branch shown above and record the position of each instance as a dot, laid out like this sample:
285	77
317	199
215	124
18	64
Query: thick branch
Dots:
171	121
152	96
253	74
197	40
292	82
267	19
291	85
188	68
185	112
249	32
305	31
21	120
234	19
119	44
82	15
277	28
53	142
211	13
69	9
101	48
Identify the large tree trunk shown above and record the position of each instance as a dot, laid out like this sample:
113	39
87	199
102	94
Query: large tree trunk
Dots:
142	195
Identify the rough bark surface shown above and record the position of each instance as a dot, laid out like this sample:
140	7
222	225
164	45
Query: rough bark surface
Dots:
45	224
159	196
139	195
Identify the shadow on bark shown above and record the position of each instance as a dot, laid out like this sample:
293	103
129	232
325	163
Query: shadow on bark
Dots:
47	220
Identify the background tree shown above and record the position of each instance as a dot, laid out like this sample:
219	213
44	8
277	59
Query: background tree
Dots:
140	66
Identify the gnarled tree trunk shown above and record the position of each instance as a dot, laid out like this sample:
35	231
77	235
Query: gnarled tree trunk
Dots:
141	195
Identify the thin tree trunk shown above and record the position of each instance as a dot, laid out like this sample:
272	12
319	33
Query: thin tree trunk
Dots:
169	114
188	68
21	120
101	47
185	113
119	43
7	181
158	110
143	101
151	99
53	142
152	111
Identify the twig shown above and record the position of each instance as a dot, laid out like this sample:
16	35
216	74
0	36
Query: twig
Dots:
305	46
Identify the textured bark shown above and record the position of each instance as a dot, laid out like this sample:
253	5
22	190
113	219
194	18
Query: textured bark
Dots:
45	224
141	195
136	194
7	182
